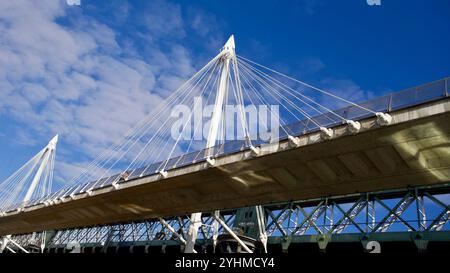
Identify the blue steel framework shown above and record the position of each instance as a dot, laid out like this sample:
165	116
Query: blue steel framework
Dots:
417	215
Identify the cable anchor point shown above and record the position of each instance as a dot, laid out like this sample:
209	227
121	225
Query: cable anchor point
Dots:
326	133
255	150
353	126
163	173
383	119
294	141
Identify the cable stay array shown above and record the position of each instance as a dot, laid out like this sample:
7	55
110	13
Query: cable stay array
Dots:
33	180
231	104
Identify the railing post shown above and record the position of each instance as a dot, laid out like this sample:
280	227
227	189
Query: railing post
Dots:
446	86
390	103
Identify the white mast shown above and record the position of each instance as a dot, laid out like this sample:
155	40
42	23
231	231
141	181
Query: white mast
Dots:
227	53
45	158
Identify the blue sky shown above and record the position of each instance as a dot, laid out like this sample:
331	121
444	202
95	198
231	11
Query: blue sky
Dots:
64	69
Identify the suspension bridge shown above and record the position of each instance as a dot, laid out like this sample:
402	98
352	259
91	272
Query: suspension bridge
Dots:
328	171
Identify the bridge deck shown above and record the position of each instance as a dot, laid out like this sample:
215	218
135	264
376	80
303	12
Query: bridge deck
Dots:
413	150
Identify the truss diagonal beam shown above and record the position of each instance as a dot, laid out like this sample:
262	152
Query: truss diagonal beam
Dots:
394	213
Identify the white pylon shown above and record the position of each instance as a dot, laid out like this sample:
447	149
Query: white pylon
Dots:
46	157
227	54
44	162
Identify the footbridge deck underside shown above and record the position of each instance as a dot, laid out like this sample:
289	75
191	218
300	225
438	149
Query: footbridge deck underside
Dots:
413	150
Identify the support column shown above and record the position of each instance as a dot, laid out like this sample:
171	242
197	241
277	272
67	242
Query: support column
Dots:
4	243
262	226
196	222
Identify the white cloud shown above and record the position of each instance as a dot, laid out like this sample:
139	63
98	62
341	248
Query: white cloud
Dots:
73	2
347	89
75	78
162	20
208	28
89	83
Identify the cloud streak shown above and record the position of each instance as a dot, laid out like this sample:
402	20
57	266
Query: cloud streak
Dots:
61	71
